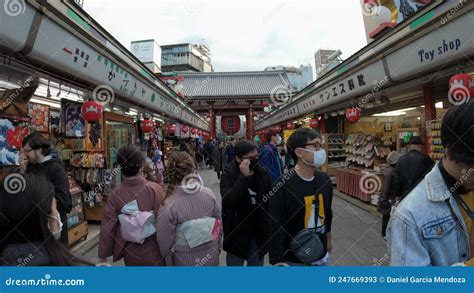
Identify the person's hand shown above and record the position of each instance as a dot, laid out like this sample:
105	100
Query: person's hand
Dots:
245	167
23	161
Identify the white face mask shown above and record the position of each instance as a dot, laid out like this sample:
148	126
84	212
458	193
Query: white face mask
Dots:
56	234
319	157
278	140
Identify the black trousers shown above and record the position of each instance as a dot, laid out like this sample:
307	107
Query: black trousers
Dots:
385	220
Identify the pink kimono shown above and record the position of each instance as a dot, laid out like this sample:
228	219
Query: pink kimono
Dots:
149	197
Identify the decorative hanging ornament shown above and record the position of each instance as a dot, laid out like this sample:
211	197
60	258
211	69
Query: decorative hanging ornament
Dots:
277	129
314	123
199	132
171	129
461	88
147	125
185	129
194	131
352	115
290	125
91	111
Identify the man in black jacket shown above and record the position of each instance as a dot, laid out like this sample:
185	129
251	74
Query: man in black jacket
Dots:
411	168
43	160
301	199
244	211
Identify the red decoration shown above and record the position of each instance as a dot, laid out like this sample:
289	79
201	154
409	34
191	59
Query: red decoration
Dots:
290	125
352	115
14	137
185	129
461	88
194	131
277	128
147	125
91	111
157	124
171	128
314	123
199	132
230	124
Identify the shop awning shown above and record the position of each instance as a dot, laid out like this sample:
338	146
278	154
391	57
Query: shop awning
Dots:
425	44
83	51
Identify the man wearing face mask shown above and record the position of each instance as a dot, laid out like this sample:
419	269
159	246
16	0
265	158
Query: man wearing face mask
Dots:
269	156
301	200
244	210
434	224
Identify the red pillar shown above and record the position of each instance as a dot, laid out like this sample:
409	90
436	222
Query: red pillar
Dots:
430	110
322	124
250	115
212	117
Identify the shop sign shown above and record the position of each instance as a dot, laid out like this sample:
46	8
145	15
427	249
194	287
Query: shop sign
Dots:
446	44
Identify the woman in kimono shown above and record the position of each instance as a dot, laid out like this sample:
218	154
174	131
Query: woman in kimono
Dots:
189	222
134	195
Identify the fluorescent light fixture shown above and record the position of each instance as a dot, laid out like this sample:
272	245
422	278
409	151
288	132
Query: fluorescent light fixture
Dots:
52	104
439	105
400	112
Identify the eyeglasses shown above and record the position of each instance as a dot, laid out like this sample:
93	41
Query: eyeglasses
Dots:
316	145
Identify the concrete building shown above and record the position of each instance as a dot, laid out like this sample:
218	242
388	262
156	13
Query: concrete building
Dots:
325	60
186	57
148	52
299	77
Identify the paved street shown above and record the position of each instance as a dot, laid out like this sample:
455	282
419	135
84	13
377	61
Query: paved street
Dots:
355	232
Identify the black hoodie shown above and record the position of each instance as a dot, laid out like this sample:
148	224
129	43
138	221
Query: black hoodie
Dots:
53	169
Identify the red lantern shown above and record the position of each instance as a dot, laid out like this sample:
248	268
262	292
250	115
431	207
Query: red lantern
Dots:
461	88
157	124
91	111
290	125
194	131
147	125
314	123
277	128
352	115
230	124
199	132
171	128
185	129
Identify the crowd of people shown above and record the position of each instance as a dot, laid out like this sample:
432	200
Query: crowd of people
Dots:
280	207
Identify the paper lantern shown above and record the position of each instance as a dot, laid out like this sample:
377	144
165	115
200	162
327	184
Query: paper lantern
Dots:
194	131
171	128
314	123
185	129
199	132
91	111
290	125
277	128
352	115
461	88
230	124
147	125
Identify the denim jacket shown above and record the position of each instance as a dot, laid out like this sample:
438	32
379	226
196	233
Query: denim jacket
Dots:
422	230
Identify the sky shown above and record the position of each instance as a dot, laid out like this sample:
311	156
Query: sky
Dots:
242	35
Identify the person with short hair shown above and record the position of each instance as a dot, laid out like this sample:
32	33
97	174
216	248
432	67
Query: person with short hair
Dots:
302	200
44	160
230	151
269	155
137	195
433	225
244	185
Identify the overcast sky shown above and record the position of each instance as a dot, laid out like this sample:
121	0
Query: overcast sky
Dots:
242	35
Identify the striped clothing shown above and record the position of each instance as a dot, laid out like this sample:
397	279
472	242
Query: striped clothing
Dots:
181	207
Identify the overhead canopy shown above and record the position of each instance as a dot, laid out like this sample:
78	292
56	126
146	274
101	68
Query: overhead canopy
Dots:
60	38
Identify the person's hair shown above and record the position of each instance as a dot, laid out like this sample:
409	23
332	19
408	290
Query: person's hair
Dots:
180	164
244	147
131	159
25	216
415	141
37	141
298	139
457	133
269	134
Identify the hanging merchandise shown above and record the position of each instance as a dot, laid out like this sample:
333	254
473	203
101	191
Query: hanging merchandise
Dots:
91	111
12	132
461	88
352	115
314	123
171	129
147	125
185	129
